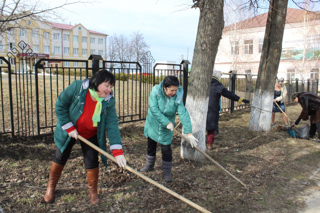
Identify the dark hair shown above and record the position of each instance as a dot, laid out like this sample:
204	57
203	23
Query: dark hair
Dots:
100	77
294	95
170	81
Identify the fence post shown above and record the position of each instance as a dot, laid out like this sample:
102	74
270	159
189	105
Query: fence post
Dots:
185	65
308	85
95	62
297	85
233	88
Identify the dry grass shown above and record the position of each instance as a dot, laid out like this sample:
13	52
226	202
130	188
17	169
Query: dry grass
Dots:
278	170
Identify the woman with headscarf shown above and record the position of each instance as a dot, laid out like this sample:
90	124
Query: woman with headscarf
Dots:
216	91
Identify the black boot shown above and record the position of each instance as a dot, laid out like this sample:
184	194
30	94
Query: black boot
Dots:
166	167
149	164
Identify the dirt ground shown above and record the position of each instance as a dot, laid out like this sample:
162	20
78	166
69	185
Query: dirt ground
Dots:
282	174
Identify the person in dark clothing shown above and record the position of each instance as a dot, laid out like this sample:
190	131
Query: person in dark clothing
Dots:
310	107
216	90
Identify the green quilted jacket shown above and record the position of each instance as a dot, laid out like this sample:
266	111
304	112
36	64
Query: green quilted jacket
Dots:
69	107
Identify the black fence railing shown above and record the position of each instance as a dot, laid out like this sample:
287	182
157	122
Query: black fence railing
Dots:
30	87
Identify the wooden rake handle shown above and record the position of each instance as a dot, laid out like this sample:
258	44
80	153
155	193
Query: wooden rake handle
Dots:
194	205
215	162
283	112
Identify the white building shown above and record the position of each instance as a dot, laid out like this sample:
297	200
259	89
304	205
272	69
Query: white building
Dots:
241	45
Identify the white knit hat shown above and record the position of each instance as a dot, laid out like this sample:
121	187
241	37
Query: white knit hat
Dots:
217	74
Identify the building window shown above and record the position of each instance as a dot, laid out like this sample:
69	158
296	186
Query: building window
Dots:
66	63
75	64
314	73
248	46
66	37
100	52
35	48
84	51
56	36
84	39
92	51
23	32
66	50
100	41
45	35
75	51
56	50
235	47
260	44
35	33
10	31
79	28
92	40
46	49
291	75
75	38
84	64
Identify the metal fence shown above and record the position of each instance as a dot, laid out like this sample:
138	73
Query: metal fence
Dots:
244	85
30	87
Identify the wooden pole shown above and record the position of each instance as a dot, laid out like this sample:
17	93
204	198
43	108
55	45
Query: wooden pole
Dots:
215	162
143	176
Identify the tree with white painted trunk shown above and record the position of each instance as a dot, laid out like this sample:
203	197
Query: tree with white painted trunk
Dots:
261	109
208	37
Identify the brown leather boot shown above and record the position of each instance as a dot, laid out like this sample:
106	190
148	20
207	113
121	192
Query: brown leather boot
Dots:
93	176
209	146
55	173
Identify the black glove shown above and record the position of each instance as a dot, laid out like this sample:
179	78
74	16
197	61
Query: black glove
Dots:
297	121
245	101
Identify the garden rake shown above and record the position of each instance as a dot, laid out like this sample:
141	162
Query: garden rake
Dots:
194	205
215	162
290	130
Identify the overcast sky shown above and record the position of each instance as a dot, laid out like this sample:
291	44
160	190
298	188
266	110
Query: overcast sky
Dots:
169	27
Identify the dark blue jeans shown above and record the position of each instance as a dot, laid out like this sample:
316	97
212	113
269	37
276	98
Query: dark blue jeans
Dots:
90	155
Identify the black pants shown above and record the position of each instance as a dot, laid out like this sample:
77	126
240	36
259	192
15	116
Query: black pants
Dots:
90	155
313	128
166	150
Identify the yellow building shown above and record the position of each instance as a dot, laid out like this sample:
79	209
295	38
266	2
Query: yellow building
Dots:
52	41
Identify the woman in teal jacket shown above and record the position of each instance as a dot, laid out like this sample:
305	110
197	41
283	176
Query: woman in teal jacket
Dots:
165	101
88	108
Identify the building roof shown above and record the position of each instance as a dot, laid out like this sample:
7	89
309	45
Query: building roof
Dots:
293	16
70	27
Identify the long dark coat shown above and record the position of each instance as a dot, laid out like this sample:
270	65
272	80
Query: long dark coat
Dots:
216	90
310	107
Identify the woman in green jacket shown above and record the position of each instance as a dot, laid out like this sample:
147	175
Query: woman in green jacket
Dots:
86	108
165	101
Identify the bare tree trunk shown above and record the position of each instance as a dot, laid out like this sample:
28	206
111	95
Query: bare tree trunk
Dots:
208	37
268	68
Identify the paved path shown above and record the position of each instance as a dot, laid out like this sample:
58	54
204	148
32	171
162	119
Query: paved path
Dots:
312	196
